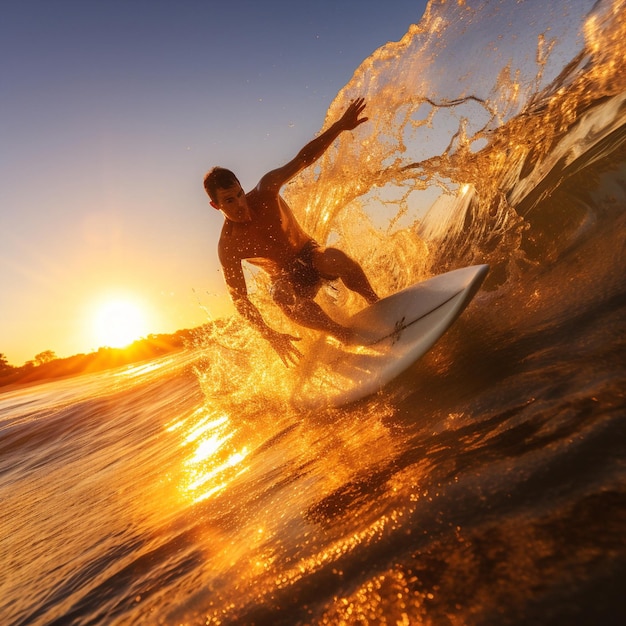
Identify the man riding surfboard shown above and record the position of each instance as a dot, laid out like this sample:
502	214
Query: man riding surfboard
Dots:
260	227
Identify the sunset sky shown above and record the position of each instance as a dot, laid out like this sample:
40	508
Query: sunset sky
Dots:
111	114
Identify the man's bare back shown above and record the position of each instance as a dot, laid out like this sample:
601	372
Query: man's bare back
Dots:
261	228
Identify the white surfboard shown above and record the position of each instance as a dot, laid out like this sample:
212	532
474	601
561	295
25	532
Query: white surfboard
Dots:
397	331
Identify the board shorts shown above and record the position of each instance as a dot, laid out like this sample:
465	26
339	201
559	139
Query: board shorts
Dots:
300	277
304	276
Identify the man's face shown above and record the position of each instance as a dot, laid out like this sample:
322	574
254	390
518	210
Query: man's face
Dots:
233	204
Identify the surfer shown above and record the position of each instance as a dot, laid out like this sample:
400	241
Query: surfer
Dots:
260	227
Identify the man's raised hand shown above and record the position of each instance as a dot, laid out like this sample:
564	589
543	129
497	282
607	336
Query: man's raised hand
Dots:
351	118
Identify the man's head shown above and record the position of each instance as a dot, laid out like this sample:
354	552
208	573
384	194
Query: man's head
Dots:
226	195
219	178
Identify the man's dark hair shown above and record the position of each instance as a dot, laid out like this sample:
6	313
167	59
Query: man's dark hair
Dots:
219	178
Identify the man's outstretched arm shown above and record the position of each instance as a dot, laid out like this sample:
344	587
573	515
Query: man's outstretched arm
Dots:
281	342
315	148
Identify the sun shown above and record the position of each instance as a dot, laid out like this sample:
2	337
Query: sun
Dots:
118	323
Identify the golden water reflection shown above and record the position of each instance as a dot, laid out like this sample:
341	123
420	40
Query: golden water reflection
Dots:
213	461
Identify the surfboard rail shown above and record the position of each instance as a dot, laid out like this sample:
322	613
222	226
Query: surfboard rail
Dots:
397	331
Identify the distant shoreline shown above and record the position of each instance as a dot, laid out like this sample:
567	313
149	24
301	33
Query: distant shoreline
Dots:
150	347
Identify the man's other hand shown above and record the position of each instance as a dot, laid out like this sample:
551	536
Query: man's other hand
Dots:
283	344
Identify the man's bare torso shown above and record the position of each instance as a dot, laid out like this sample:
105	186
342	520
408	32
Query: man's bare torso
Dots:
271	240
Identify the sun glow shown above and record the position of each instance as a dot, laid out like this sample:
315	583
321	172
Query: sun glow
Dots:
118	323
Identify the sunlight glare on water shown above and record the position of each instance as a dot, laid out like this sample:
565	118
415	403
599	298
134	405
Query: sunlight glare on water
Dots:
210	464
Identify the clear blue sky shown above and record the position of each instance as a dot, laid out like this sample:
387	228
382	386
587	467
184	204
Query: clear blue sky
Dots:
111	113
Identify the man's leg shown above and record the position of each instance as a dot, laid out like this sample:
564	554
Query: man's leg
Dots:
334	262
307	312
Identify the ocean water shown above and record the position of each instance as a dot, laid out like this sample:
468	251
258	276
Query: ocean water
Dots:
485	486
